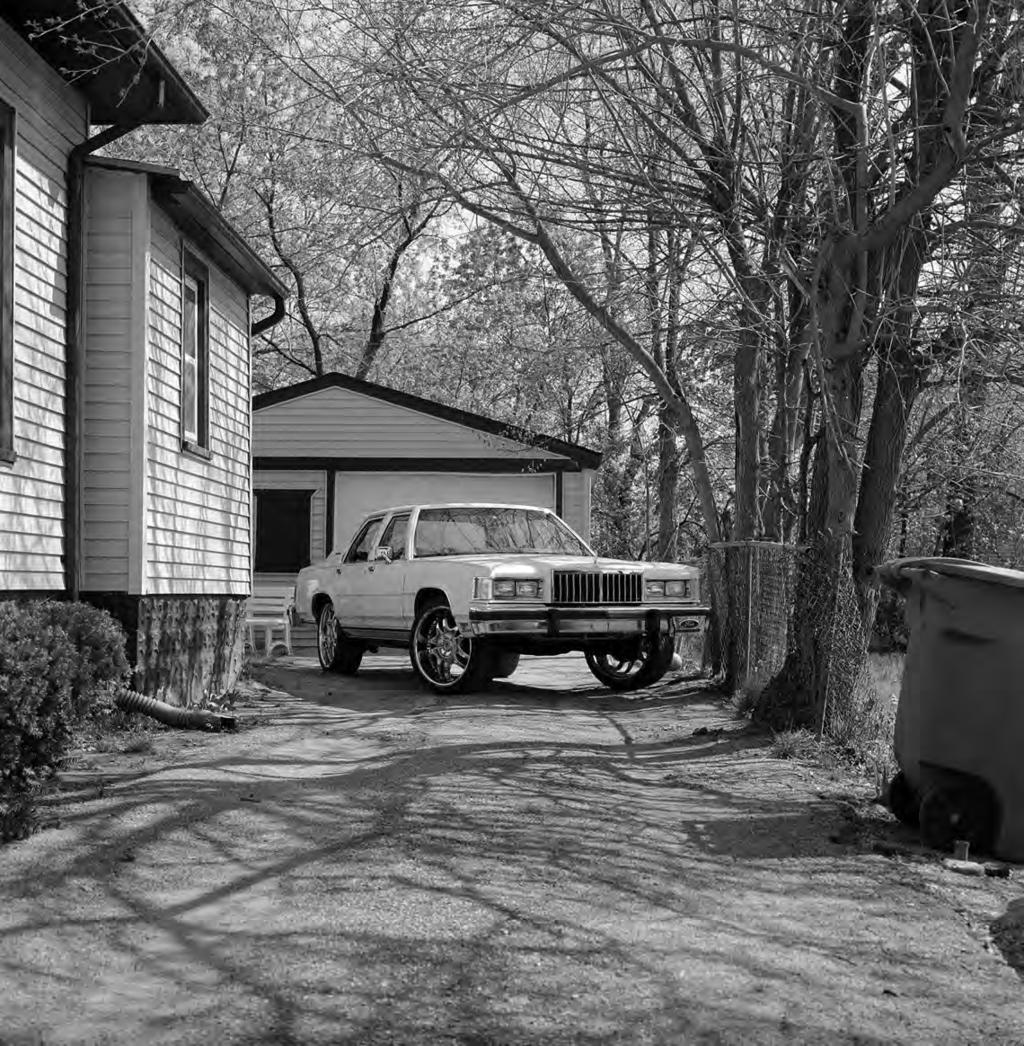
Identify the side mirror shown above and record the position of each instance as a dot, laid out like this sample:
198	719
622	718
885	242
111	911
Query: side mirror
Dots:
382	554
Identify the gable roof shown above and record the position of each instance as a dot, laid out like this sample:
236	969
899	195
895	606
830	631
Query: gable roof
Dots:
203	223
106	53
584	456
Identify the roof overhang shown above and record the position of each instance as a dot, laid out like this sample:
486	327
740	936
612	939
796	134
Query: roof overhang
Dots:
106	53
583	457
203	224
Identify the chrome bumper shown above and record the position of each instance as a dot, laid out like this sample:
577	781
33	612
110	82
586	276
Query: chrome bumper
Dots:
554	622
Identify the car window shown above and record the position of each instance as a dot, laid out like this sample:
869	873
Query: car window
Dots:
359	551
456	531
395	536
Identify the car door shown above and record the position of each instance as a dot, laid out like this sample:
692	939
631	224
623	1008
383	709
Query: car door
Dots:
352	577
386	580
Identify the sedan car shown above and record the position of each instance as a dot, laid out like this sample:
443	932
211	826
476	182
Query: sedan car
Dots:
468	588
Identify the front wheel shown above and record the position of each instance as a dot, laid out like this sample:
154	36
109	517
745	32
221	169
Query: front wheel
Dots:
336	652
445	659
640	665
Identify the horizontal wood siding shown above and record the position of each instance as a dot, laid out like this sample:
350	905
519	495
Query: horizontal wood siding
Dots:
51	120
107	485
198	529
341	423
576	490
298	480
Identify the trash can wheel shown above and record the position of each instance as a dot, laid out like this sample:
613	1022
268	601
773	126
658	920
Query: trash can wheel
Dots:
903	800
958	810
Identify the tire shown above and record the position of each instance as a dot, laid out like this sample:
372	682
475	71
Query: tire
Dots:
653	659
336	652
504	663
903	800
958	810
445	660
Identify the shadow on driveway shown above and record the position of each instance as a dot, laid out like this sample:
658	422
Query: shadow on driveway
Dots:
517	867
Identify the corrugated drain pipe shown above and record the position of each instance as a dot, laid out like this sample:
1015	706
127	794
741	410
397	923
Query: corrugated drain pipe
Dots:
170	715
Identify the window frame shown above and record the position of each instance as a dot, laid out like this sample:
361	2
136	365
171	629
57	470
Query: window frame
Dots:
401	517
195	271
8	152
372	525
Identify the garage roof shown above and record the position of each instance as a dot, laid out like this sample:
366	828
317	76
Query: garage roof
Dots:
584	456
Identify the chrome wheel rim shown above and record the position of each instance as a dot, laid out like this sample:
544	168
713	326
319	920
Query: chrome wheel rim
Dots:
442	651
327	635
620	668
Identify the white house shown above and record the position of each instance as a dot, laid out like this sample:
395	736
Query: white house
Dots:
125	325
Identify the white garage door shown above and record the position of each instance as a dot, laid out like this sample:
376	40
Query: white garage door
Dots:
358	493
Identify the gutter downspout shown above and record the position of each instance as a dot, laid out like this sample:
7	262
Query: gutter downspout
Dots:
74	361
269	321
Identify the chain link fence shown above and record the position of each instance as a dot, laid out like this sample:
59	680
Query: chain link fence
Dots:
750	587
787	607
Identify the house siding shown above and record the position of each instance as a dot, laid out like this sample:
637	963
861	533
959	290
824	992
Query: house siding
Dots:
197	512
308	426
115	207
576	493
51	120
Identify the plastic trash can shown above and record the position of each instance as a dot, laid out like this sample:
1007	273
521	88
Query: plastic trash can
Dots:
959	737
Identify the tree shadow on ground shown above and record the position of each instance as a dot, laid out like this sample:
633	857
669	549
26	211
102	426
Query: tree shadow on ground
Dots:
367	882
1008	935
395	686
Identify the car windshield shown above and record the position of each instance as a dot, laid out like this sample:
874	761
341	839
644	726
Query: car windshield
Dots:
461	531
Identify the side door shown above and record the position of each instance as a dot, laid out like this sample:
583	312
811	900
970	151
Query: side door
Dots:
386	582
352	576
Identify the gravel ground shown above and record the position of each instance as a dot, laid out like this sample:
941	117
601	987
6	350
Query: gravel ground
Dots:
546	863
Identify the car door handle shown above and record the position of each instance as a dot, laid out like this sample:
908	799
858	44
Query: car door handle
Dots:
371	570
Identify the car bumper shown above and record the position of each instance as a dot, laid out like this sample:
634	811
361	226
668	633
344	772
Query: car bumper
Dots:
554	622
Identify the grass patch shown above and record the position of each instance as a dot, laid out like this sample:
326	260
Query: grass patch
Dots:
796	744
858	736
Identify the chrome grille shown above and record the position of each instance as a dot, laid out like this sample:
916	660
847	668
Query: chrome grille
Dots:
591	587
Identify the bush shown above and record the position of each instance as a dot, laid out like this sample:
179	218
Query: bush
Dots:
99	642
54	660
37	665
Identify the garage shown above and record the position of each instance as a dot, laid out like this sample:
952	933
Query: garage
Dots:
329	450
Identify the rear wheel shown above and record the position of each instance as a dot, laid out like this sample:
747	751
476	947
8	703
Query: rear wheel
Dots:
447	660
335	651
634	666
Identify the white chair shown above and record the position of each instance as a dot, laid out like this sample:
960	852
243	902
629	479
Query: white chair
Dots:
268	612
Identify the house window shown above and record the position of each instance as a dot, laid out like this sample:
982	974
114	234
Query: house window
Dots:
6	283
282	531
195	364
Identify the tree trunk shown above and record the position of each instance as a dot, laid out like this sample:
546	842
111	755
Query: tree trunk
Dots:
668	486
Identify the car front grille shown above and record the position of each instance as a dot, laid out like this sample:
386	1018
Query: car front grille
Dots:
591	587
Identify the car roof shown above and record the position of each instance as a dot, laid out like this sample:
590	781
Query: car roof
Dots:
453	504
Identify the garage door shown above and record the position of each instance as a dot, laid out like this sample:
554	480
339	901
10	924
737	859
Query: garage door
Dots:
357	493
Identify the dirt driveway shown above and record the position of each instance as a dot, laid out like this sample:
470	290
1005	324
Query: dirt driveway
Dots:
362	863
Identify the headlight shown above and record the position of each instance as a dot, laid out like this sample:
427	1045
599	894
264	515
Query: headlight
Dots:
506	588
680	588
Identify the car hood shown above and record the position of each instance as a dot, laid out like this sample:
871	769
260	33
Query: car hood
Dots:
528	563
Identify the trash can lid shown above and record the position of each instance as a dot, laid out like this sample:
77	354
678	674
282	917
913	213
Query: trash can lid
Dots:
966	568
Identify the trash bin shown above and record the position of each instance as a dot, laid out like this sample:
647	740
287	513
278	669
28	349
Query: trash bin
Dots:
959	737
